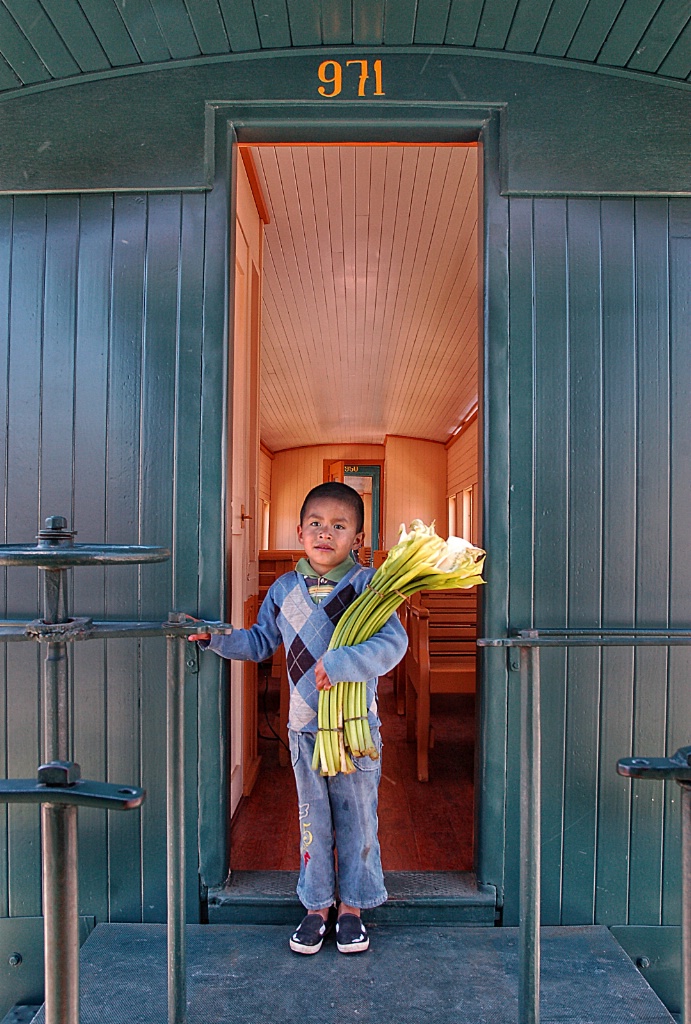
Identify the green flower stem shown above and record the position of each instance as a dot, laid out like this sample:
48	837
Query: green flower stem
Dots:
332	735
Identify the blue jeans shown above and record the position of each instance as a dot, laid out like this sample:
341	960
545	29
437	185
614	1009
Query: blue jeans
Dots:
338	813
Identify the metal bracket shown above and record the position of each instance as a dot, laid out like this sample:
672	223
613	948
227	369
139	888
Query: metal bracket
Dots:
60	782
56	632
182	624
677	767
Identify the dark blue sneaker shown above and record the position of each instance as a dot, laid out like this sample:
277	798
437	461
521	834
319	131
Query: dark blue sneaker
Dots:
351	934
309	935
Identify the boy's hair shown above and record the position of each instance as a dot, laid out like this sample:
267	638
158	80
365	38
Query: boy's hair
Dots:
338	492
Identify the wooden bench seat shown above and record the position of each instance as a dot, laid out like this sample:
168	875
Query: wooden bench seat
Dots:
441	658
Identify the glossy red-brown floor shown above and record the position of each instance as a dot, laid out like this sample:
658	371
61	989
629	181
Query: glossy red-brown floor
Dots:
422	826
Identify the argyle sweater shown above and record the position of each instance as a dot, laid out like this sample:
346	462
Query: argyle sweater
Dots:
288	615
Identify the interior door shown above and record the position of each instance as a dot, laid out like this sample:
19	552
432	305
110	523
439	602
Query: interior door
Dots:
243	477
335	471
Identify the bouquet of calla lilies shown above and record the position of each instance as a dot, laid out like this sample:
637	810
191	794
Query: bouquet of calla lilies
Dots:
420	561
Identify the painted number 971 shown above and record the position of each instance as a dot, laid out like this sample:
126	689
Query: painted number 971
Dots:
331	74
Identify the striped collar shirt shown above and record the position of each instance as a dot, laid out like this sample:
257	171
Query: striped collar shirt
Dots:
320	587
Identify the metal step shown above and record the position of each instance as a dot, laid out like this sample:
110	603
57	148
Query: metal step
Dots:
244	974
21	1014
415	897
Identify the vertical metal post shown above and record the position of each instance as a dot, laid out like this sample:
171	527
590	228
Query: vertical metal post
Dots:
60	913
175	716
55	684
60	878
530	800
686	901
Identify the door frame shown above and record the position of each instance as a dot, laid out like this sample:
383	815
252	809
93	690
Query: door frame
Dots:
431	122
373	464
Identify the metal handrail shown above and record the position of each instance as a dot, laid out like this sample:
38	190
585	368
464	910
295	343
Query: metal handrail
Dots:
530	642
59	787
62	968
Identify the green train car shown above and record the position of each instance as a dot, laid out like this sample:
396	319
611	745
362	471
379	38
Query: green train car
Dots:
468	263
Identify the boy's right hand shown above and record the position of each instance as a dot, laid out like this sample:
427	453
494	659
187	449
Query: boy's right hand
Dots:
193	637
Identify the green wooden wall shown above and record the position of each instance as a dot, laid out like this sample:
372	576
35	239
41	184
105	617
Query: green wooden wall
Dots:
111	311
600	510
113	326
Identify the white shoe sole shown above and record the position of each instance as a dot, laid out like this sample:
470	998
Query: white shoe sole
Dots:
353	947
297	947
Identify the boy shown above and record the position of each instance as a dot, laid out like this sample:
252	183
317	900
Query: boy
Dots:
301	610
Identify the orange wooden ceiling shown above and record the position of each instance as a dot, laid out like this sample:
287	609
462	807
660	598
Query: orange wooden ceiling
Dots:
370	294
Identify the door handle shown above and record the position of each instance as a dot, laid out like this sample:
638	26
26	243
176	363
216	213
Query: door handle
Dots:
243	514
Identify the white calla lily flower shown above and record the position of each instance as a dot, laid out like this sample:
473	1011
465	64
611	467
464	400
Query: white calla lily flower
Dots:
458	551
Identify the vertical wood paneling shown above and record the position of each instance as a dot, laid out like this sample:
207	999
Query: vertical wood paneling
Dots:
103	317
604	540
680	529
652	545
122	498
521	499
58	355
6	213
522	454
294	473
157	468
188	400
414	485
212	792
24	431
89	518
618	540
551	360
265	464
187	522
462	461
585	555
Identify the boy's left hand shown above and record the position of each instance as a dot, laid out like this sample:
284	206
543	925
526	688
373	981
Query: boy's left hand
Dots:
323	681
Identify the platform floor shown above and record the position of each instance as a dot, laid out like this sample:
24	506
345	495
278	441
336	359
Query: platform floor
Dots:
246	974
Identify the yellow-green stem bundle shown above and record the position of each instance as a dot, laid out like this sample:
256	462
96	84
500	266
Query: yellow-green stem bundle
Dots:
420	561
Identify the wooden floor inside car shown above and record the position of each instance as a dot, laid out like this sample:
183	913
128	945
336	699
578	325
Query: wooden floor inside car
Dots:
422	826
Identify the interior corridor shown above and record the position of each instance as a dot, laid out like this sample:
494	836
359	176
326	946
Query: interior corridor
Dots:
422	826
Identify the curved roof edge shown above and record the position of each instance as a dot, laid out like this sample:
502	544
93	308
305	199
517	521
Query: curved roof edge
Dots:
301	51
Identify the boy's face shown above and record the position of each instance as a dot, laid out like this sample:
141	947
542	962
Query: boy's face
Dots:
328	532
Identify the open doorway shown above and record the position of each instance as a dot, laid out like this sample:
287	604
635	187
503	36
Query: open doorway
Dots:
370	337
367	481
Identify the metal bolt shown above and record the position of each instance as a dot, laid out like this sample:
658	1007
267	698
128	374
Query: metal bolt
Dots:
642	962
59	773
56	523
14	959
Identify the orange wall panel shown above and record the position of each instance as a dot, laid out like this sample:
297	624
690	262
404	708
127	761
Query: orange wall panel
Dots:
414	484
294	472
462	469
264	476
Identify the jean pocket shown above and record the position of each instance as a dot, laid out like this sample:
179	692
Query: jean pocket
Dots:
294	742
